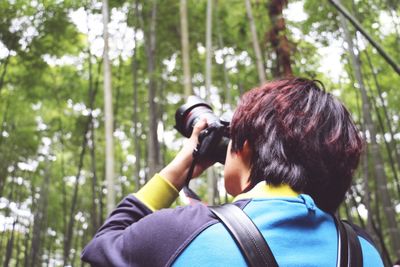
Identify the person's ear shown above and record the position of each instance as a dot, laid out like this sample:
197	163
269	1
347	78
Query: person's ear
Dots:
245	153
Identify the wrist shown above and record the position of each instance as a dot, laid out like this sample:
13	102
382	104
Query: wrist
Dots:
175	174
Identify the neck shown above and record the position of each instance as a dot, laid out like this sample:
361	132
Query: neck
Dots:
263	190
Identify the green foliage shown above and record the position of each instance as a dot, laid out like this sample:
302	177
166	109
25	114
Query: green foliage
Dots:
46	94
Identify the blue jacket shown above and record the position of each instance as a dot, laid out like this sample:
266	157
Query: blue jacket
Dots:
297	231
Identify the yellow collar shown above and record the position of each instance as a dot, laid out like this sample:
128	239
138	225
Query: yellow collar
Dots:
263	190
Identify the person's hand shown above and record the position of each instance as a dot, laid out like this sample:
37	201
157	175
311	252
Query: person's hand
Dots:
177	170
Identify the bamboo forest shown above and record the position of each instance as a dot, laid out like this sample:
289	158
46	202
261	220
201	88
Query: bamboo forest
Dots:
89	91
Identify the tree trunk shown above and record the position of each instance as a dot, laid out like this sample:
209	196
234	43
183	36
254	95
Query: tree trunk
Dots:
393	144
70	227
4	71
83	242
153	145
367	198
93	88
256	44
49	250
379	171
227	94
396	23
136	136
187	78
63	190
378	225
18	252
6	236
108	115
347	208
161	113
95	198
355	204
39	221
27	248
388	147
278	39
10	244
75	245
211	179
371	227
209	50
3	172
71	222
118	92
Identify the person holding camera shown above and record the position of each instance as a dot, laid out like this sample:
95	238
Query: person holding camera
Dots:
292	152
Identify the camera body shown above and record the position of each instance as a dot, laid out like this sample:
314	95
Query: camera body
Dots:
213	141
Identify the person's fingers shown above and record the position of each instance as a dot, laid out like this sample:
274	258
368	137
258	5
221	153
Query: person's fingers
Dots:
198	127
191	143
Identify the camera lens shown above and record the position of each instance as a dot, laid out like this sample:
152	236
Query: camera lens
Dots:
190	113
213	141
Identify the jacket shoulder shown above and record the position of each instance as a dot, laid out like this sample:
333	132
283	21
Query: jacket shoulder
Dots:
164	234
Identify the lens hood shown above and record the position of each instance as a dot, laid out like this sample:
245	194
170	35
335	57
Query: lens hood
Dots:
184	122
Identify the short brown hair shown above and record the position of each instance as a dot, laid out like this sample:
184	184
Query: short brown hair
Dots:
300	135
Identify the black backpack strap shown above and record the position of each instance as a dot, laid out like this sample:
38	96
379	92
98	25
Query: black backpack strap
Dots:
355	251
247	236
349	247
257	252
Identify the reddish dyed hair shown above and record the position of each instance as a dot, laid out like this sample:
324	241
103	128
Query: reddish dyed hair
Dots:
301	136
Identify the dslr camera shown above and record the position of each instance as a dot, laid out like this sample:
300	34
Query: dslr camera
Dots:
213	141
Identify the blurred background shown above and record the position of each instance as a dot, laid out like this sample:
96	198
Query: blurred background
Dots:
87	111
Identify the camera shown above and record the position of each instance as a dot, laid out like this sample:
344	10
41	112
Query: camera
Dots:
213	141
